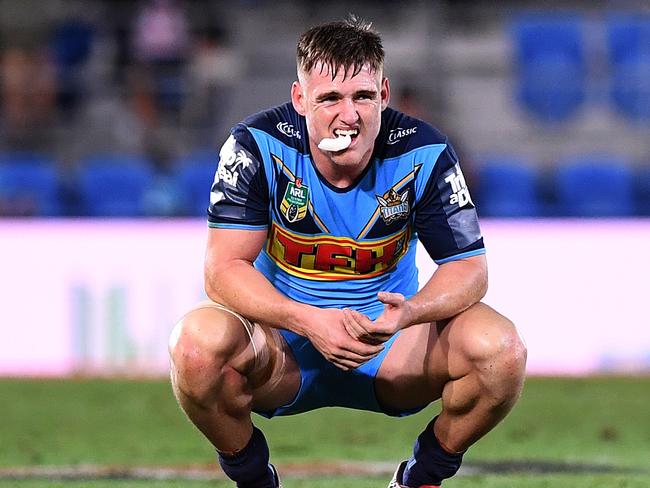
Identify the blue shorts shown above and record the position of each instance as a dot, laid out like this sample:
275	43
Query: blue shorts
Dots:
324	385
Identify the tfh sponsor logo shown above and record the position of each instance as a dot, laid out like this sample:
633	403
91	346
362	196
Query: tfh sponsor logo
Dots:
330	258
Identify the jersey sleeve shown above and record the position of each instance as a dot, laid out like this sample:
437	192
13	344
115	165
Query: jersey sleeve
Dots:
445	216
239	197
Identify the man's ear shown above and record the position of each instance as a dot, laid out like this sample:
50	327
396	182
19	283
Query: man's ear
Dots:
297	98
385	93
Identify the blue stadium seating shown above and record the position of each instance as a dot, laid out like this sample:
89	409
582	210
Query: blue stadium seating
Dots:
29	185
194	177
597	186
508	187
551	65
629	55
114	185
642	190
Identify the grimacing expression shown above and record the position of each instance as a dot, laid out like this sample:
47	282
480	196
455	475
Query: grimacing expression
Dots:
343	103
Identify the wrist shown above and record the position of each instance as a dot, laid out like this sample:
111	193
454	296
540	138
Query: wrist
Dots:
296	317
411	314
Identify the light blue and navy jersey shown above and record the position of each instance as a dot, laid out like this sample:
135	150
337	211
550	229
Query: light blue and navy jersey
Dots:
334	247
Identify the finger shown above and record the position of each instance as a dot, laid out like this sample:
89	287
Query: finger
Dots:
373	339
380	337
390	298
367	330
360	351
351	325
353	356
362	321
360	356
345	364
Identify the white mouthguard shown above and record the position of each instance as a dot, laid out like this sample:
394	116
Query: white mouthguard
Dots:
335	144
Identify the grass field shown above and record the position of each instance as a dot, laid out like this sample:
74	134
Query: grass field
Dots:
564	432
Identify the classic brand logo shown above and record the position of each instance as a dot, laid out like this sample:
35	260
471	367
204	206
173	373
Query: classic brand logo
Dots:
230	161
459	191
328	258
395	135
288	130
393	206
295	201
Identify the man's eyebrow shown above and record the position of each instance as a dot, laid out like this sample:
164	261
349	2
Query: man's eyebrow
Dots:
326	95
366	92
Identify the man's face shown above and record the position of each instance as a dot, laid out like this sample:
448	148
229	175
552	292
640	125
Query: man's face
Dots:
329	106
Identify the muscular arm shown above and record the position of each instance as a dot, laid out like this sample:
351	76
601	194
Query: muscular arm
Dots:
231	279
453	288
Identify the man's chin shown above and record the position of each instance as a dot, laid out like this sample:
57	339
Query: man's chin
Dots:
347	157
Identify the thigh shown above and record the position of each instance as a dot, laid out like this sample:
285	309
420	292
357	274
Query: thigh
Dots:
425	357
280	381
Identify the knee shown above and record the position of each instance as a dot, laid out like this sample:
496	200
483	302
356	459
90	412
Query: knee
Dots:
202	347
494	345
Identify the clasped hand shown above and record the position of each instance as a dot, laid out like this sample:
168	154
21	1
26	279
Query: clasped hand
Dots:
348	338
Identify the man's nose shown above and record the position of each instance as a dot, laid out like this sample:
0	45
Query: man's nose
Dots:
349	114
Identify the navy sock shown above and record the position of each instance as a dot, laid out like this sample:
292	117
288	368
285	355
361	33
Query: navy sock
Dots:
249	468
430	463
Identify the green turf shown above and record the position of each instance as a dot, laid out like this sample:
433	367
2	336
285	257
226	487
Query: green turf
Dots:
503	481
592	421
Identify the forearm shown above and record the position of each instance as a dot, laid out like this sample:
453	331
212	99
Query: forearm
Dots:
454	287
241	287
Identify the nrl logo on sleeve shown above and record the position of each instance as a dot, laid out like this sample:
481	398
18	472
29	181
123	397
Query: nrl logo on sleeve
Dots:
393	206
295	201
288	130
459	192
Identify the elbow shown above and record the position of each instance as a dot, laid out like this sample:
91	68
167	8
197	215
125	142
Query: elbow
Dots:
482	286
211	287
211	292
481	279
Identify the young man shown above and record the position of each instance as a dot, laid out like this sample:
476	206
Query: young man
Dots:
310	269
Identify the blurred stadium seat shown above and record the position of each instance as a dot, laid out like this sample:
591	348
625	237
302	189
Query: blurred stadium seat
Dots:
642	190
28	185
629	56
194	176
551	66
597	186
114	185
71	45
508	187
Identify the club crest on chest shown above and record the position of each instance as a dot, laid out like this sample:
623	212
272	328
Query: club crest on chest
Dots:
393	206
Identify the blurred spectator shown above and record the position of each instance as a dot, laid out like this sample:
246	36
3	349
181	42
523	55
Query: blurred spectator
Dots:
160	43
409	101
27	90
213	70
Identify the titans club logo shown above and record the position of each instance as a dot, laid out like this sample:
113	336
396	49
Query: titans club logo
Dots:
393	206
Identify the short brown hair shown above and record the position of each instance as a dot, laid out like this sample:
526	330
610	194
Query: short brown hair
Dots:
350	43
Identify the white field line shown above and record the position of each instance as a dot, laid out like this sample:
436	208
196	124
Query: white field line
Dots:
200	473
304	470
